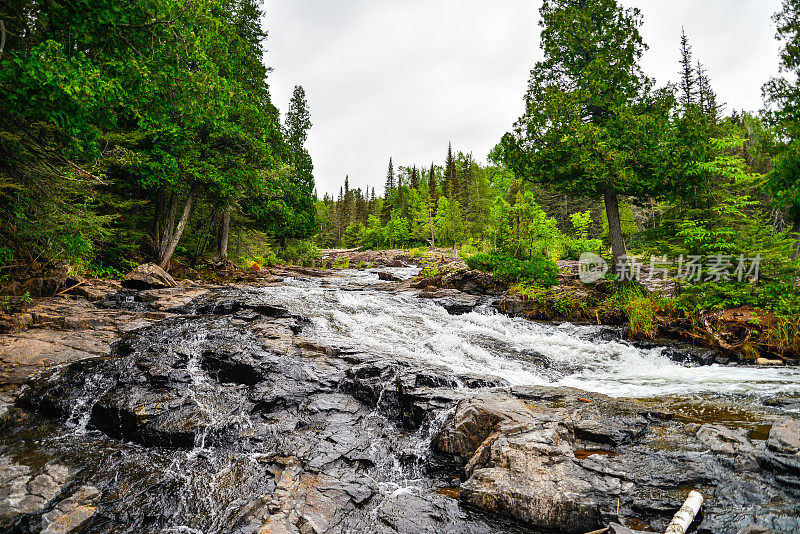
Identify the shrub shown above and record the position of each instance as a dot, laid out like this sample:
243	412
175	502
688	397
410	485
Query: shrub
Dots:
640	308
539	269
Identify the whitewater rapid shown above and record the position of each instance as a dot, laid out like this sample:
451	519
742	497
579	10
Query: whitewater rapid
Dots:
348	312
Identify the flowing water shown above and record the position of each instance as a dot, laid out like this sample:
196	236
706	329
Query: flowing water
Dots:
519	351
204	485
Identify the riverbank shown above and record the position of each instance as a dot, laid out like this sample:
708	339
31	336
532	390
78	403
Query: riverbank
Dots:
266	405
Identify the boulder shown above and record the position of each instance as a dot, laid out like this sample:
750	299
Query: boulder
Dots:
388	277
784	437
148	276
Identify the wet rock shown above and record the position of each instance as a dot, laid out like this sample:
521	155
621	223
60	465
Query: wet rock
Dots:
452	300
556	462
230	366
22	492
150	418
472	281
723	440
616	528
389	277
513	307
789	403
148	276
72	513
407	512
755	529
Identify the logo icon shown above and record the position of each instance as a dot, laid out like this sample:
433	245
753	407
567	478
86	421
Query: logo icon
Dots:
591	268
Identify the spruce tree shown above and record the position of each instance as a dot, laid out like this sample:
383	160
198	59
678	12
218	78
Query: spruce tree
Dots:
450	175
390	180
707	97
688	79
414	178
433	190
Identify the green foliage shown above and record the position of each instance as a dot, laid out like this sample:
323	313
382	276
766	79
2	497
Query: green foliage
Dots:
429	271
640	308
299	252
538	269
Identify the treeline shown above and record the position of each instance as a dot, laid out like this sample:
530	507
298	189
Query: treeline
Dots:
602	160
143	131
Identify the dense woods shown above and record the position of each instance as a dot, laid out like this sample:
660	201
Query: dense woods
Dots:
143	131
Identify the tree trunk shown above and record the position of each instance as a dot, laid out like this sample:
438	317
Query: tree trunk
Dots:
224	234
166	234
796	232
618	251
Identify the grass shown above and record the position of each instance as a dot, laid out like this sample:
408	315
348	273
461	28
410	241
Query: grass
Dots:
343	263
640	308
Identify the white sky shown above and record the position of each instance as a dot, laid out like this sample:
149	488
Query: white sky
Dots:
401	78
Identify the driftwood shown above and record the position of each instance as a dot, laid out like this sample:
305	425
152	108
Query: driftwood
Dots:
71	288
601	531
680	523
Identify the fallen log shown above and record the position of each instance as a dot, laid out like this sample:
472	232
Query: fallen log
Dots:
680	523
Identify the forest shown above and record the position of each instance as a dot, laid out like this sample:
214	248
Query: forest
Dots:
146	132
143	131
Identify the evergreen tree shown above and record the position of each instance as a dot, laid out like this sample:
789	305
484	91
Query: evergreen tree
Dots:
782	96
433	190
414	178
287	211
450	187
688	79
707	98
592	124
391	184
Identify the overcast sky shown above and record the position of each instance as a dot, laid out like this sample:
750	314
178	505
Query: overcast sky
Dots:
401	78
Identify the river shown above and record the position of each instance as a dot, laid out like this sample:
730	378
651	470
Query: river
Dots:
282	408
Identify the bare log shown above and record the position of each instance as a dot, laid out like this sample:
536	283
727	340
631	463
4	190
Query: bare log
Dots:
680	523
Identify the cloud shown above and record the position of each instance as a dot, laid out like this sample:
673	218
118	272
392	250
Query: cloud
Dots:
403	78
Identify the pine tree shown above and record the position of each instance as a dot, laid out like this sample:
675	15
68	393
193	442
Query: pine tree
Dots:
450	175
707	98
414	178
390	180
688	79
433	190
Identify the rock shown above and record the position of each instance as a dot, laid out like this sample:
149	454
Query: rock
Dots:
790	403
452	300
23	493
784	437
388	277
148	276
723	440
72	513
754	529
616	528
150	418
96	289
766	361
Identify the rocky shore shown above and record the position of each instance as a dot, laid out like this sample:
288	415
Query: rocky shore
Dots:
146	410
